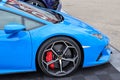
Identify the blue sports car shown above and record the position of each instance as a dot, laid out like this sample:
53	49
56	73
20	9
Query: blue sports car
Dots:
34	38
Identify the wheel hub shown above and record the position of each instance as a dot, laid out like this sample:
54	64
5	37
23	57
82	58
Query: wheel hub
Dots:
60	58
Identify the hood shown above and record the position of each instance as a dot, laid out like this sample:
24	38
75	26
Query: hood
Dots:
69	20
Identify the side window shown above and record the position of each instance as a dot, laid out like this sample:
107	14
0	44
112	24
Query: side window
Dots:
7	17
30	24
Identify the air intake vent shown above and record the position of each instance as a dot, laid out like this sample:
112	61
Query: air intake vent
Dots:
99	57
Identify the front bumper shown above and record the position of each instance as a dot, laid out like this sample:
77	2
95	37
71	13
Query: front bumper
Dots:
103	57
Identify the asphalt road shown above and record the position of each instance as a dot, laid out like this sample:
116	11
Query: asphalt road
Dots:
108	71
103	72
102	14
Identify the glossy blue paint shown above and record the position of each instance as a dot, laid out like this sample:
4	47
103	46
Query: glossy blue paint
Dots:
13	28
15	50
18	50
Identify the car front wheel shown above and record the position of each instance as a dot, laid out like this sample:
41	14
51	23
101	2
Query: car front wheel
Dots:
59	56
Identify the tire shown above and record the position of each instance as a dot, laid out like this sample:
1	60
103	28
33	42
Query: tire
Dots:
36	3
65	59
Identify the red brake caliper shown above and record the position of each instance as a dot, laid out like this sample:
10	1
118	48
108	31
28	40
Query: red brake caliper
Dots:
49	57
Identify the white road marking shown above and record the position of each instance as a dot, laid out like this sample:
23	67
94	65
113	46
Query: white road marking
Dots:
115	59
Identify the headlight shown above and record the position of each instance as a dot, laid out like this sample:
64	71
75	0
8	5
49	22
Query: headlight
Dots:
98	35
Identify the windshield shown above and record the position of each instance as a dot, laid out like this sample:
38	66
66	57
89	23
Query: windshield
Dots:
39	12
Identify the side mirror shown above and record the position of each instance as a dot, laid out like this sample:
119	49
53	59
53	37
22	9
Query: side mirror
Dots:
13	28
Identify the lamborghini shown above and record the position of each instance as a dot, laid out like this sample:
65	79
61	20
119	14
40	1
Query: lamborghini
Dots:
33	38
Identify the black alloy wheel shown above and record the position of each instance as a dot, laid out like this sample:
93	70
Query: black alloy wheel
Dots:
59	56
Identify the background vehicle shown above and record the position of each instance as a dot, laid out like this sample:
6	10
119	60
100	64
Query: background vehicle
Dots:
51	4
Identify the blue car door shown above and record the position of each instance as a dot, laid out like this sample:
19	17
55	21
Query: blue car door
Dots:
15	49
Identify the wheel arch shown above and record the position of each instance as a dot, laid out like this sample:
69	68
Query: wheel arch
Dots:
79	44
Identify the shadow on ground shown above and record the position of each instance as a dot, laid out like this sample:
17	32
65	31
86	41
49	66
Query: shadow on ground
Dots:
102	72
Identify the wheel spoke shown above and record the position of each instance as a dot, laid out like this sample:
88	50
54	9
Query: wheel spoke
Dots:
47	50
52	45
53	61
48	63
55	53
70	59
64	51
60	62
45	63
65	43
52	51
68	47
